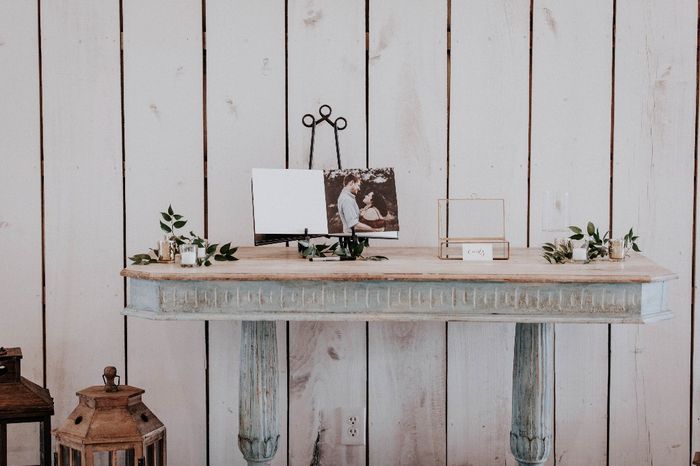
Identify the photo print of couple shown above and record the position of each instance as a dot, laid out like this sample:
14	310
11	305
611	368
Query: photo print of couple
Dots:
290	204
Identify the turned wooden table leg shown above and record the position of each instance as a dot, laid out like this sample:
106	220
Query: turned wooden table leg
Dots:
531	428
258	434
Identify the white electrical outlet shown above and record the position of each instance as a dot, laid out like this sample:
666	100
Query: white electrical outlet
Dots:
352	426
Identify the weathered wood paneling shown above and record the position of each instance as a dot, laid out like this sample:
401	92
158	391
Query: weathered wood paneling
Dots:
408	131
20	214
163	142
245	129
571	153
83	195
655	85
488	146
326	65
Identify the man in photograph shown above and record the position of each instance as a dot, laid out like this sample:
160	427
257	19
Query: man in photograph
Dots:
348	209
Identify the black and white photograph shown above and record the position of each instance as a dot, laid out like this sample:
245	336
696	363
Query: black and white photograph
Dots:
363	199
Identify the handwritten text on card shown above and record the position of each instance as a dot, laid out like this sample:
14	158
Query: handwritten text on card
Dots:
477	252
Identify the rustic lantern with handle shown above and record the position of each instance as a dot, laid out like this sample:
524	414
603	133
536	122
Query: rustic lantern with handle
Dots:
111	427
22	401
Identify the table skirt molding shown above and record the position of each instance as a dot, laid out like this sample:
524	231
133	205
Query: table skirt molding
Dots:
399	301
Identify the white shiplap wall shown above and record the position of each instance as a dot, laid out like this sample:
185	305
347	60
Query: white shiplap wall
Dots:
594	97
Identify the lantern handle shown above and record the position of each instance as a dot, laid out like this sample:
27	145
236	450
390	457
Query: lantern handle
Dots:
110	373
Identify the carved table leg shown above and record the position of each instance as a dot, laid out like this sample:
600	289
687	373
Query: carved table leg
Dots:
258	429
531	428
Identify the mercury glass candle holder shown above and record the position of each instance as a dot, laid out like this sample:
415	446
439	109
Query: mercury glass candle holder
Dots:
617	250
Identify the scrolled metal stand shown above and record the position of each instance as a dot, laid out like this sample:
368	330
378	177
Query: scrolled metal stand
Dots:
339	124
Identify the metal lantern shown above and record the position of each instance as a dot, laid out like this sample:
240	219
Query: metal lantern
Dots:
110	427
22	401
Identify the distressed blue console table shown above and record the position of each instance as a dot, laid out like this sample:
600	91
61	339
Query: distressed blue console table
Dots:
274	284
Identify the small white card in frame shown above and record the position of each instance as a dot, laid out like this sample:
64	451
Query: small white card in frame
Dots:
477	252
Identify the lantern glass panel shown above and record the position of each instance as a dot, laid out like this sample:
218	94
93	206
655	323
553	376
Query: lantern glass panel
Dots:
161	452
77	459
65	456
151	455
107	458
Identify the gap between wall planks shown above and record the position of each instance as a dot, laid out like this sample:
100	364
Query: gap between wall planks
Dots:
164	142
570	153
21	217
245	100
488	146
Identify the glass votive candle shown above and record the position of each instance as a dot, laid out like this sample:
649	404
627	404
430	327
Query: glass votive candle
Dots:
579	250
188	255
617	250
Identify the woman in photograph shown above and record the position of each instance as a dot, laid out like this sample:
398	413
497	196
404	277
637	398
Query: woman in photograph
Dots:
374	213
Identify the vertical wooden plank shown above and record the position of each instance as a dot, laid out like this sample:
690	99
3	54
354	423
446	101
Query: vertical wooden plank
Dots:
571	153
245	100
20	214
83	195
408	129
488	158
326	65
163	142
655	83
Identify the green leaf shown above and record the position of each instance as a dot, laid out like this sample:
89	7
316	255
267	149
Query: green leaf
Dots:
577	236
170	210
232	258
165	227
225	248
166	217
635	247
178	217
575	229
219	257
233	250
590	228
180	223
207	263
211	249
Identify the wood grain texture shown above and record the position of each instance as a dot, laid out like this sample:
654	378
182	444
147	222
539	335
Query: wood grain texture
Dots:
488	145
571	153
245	80
408	264
407	130
407	389
83	194
163	144
655	87
328	372
326	65
20	214
408	108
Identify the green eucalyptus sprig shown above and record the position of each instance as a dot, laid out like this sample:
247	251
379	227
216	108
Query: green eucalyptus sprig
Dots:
631	241
557	253
597	245
170	223
351	247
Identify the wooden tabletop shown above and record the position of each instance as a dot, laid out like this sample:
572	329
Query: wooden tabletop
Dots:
407	264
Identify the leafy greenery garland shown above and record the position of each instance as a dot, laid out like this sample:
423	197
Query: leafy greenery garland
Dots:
170	224
597	245
350	247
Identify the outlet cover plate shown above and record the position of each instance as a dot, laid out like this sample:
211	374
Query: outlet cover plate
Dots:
352	426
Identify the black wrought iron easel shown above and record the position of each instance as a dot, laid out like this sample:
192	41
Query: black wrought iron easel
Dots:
339	124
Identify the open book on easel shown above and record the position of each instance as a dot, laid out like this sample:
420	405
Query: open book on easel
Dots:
291	204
